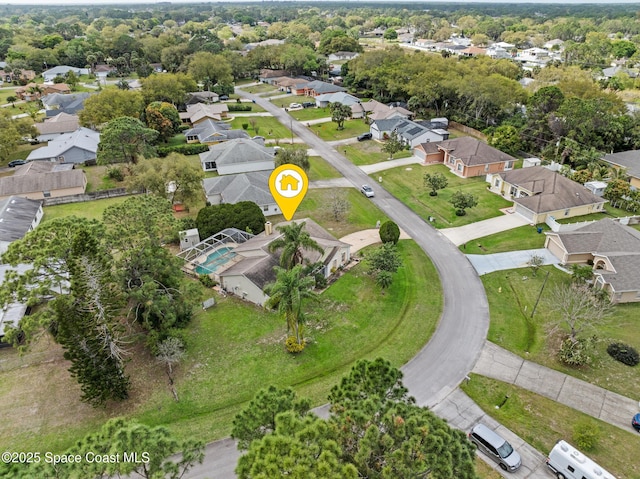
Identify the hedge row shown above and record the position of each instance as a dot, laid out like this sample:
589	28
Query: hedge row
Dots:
239	107
193	149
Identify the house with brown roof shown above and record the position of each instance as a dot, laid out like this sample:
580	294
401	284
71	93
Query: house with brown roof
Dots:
34	91
269	76
467	157
54	126
42	179
204	111
538	193
374	110
611	247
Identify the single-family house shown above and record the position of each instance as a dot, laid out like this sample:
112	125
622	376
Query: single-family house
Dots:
18	216
264	43
102	71
608	73
374	110
205	97
241	155
287	84
612	248
252	269
199	112
409	132
318	87
24	75
61	70
210	132
338	56
497	52
39	180
231	189
537	192
269	76
77	147
33	91
52	127
630	161
68	103
338	97
467	157
472	51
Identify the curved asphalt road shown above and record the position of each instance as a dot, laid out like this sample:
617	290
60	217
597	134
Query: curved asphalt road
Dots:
454	348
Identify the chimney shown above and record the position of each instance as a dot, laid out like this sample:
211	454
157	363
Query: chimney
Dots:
268	229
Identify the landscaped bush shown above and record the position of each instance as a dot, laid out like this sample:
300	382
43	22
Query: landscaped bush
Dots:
233	107
115	173
586	435
624	353
193	149
576	353
292	345
207	281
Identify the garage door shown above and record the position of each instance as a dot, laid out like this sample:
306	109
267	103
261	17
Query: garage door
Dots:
527	213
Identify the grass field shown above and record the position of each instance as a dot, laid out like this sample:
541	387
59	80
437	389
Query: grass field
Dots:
321	170
523	237
329	131
233	349
265	126
407	184
261	88
512	295
88	209
542	422
306	114
285	101
369	152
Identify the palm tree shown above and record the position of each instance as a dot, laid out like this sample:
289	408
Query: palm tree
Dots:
287	293
293	241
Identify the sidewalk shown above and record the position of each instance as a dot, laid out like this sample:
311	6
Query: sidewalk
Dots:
498	363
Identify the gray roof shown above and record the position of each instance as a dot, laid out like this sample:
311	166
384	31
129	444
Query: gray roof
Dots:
67	102
339	97
626	159
321	87
16	217
474	152
252	186
61	70
550	190
201	97
82	138
209	130
238	151
618	242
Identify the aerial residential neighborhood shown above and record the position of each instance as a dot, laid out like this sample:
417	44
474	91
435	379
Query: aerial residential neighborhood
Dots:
455	295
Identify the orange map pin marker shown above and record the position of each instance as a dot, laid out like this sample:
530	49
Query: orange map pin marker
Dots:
288	184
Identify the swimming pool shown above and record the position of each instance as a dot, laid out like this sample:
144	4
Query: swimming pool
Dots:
215	259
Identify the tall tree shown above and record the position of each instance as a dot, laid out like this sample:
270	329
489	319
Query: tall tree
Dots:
294	156
244	215
9	135
210	70
293	241
339	114
125	140
110	104
174	177
392	145
287	293
164	118
169	87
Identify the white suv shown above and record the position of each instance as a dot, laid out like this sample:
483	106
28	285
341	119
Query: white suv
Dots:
367	191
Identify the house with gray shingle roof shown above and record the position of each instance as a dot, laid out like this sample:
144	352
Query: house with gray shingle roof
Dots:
630	161
318	87
18	216
68	103
611	247
240	155
210	132
409	132
52	73
538	193
204	111
337	97
39	179
253	186
253	269
77	147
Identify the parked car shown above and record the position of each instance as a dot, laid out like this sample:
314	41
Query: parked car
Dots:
308	104
365	136
367	191
223	97
496	447
15	163
295	105
635	422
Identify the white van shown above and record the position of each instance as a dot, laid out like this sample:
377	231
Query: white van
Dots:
569	463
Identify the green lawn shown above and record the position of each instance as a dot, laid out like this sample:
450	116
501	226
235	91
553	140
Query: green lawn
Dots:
407	184
261	88
233	350
329	131
512	295
285	101
306	114
87	209
523	237
321	170
542	422
22	151
266	126
369	152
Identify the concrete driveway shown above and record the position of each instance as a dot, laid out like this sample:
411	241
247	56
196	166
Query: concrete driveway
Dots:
487	263
480	229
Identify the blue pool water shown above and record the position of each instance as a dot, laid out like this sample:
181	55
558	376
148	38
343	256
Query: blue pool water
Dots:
215	259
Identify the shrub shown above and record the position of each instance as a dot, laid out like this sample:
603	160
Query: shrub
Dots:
586	434
292	345
389	232
189	149
206	281
245	126
115	173
233	107
576	353
624	353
